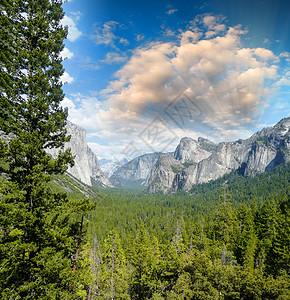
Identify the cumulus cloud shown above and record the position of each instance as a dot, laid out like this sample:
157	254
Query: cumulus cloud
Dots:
106	34
206	84
224	80
66	78
66	53
213	25
73	32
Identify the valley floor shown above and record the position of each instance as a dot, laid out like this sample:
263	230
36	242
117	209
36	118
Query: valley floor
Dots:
228	239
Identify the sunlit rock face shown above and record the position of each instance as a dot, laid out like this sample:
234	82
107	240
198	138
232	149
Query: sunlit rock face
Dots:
192	151
165	175
193	164
86	165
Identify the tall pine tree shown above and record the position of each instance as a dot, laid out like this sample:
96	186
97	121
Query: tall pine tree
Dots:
37	237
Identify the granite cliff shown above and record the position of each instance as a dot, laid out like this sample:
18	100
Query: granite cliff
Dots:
193	163
86	165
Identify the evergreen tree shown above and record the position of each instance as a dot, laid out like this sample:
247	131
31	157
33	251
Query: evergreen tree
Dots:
247	240
38	236
146	265
113	274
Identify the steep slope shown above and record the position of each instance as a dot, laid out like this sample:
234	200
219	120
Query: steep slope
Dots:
166	175
136	172
261	152
86	162
191	151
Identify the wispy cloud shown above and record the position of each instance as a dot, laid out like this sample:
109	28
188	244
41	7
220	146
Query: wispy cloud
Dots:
285	80
285	55
106	34
139	37
171	11
124	41
114	57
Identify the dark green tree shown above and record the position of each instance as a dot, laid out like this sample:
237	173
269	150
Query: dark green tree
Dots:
38	236
246	242
113	275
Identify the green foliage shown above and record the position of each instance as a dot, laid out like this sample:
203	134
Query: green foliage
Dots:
188	164
222	241
113	273
40	230
176	169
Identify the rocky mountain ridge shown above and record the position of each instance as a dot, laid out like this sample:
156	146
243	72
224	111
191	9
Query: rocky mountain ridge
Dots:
192	165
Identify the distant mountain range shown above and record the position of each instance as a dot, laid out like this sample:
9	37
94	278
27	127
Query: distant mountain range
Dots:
193	162
199	161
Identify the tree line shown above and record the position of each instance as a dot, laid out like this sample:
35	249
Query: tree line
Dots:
189	246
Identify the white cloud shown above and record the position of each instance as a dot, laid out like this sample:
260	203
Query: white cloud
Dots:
172	11
66	102
66	53
105	34
266	41
114	57
169	32
285	55
73	32
104	151
284	81
139	37
225	79
264	53
223	82
124	41
66	78
213	25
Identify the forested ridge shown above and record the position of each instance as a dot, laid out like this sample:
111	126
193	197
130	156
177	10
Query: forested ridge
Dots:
227	239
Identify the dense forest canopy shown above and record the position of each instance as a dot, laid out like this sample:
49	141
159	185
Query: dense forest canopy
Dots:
227	239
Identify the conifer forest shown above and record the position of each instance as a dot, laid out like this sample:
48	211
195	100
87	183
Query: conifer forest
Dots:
225	239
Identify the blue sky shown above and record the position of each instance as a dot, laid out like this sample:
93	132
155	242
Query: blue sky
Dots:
143	74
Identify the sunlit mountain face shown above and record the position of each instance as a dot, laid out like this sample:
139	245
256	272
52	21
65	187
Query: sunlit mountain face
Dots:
140	75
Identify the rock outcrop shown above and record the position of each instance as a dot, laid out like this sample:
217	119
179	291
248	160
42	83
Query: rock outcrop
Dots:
261	152
191	151
136	172
166	175
86	165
